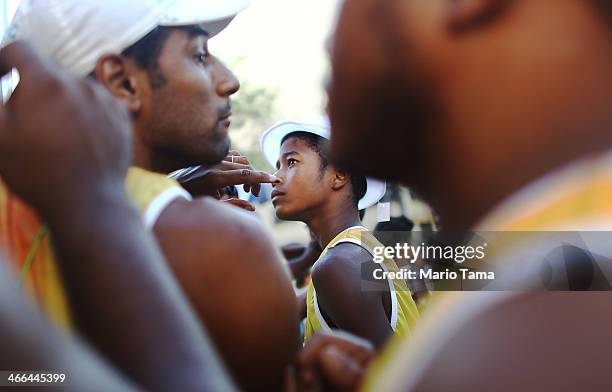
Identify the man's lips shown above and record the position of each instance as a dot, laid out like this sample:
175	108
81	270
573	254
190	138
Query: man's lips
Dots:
226	119
276	194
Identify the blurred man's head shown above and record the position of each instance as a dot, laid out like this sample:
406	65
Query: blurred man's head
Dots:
152	55
469	90
308	182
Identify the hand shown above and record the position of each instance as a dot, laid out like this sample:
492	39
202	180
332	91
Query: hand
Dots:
235	169
60	137
336	361
300	258
240	204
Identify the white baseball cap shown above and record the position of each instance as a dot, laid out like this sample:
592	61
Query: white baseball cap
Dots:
271	144
76	33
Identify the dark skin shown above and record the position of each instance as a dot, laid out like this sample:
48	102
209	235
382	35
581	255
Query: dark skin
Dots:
300	258
235	169
29	342
437	69
103	251
243	294
323	200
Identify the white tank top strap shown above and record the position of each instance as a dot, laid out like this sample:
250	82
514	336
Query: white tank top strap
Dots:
159	204
318	313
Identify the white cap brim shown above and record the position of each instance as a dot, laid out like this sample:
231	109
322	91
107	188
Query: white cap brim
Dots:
271	145
215	15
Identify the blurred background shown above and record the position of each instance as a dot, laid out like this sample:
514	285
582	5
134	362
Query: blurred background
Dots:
277	48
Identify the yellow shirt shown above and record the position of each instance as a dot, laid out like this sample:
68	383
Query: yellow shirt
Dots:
404	312
23	238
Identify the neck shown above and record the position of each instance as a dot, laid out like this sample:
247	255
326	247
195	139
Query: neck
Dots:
331	220
474	188
152	160
142	155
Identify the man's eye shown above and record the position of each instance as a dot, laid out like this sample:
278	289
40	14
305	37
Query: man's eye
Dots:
291	162
201	57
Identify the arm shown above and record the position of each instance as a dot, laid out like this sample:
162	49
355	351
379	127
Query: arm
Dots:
29	343
338	361
123	296
300	263
126	300
235	169
337	280
238	284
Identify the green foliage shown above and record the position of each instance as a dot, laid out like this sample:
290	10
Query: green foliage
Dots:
253	110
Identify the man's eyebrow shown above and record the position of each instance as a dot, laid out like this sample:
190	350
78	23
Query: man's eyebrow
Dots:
284	156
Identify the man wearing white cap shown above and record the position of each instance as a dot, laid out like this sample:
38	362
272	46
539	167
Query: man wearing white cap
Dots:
328	200
153	57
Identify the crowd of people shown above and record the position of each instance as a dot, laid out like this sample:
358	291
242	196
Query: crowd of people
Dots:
129	262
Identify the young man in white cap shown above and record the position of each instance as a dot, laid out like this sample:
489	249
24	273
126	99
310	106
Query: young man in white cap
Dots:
328	200
153	57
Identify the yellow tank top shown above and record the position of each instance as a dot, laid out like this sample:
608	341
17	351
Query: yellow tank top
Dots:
23	239
404	312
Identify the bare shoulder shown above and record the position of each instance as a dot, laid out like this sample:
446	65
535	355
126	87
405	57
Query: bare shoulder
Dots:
208	236
341	259
237	282
209	216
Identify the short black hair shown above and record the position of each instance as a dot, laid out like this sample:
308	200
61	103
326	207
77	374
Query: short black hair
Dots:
320	145
146	51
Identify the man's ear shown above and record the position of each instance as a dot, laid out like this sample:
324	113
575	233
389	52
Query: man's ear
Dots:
116	74
339	180
464	15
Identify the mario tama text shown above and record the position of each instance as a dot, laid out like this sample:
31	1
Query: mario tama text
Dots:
429	274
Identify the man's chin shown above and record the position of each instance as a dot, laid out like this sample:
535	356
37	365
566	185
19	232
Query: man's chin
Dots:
209	157
285	215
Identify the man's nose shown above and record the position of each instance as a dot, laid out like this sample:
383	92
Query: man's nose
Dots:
228	83
280	178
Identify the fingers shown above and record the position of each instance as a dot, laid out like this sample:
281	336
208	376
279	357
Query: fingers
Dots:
340	359
350	343
237	159
244	176
234	158
289	382
340	370
241	204
19	55
227	165
254	189
31	67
